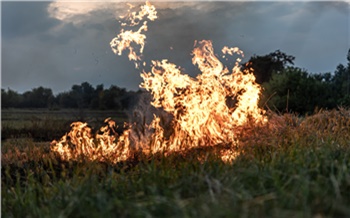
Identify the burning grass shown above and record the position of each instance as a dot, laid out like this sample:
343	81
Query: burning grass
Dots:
199	109
292	166
210	159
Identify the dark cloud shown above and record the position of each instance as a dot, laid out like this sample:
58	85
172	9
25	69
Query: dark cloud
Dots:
20	19
57	52
172	36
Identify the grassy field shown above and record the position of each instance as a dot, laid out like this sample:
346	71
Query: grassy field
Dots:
292	167
45	125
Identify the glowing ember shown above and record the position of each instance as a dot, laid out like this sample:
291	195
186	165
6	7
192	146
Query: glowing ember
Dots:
202	114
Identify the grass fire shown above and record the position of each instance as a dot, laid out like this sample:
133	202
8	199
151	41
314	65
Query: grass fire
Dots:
198	106
191	146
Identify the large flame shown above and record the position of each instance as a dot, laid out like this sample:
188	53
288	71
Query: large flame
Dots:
199	106
206	110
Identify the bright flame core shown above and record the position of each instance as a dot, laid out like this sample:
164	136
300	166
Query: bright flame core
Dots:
199	106
81	143
202	114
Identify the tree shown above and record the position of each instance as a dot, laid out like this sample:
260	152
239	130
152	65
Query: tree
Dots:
87	94
80	96
111	98
96	97
66	100
295	90
10	98
341	83
37	98
264	66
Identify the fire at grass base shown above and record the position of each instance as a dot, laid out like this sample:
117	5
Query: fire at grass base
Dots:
199	108
218	107
291	166
198	124
279	133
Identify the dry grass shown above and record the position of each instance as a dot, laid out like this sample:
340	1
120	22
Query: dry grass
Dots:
292	167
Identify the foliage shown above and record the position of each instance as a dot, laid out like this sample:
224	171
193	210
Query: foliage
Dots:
292	167
341	83
295	90
292	89
10	98
264	66
286	89
83	96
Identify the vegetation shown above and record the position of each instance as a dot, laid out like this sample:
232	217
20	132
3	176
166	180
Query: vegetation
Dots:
264	66
46	125
83	96
291	89
285	89
293	167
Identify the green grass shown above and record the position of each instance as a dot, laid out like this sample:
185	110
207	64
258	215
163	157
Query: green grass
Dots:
291	168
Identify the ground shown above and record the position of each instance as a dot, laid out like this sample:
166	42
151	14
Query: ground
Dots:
292	167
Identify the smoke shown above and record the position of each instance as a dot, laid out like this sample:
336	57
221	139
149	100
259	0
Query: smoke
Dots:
141	114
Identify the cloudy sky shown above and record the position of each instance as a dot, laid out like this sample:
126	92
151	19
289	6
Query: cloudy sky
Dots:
58	44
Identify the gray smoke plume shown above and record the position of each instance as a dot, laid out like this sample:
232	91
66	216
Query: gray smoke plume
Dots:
141	114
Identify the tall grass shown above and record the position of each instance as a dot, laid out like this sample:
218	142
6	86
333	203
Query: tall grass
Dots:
293	167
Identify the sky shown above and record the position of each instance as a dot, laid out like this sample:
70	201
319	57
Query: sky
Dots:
59	44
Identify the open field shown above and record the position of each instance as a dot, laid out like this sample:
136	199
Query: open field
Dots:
293	167
46	125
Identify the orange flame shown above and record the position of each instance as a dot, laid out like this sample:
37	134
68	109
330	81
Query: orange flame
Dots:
206	110
199	106
80	143
125	39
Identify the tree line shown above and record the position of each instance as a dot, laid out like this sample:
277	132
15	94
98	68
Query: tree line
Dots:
286	88
78	97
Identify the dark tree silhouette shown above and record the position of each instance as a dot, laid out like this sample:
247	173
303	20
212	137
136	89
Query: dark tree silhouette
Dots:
264	66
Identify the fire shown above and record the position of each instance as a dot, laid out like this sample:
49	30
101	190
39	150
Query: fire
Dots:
200	108
125	39
104	146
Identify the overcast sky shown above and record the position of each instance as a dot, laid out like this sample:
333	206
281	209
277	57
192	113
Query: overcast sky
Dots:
58	44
